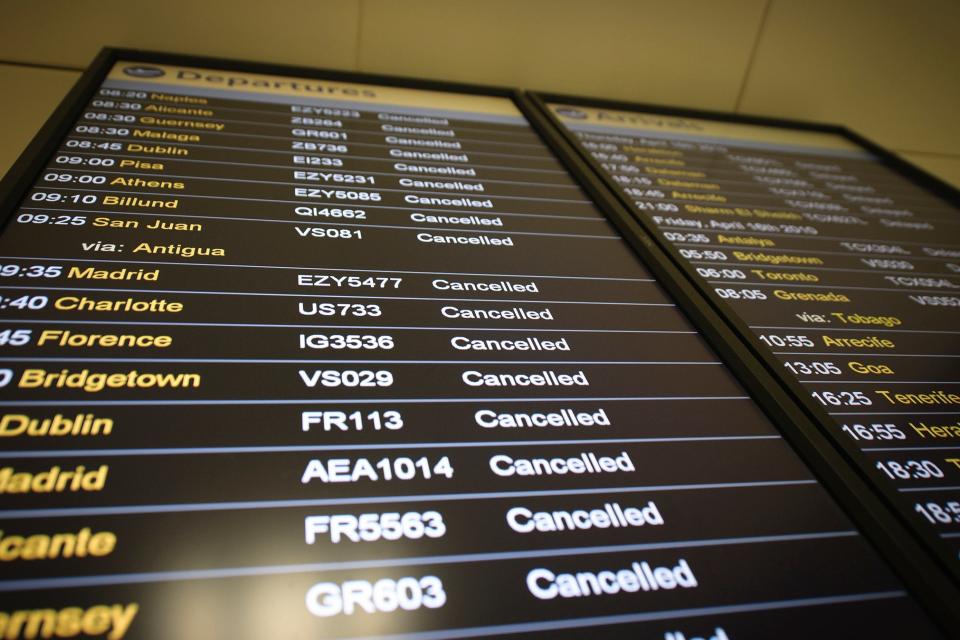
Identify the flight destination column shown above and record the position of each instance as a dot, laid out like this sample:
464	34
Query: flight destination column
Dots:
294	357
846	271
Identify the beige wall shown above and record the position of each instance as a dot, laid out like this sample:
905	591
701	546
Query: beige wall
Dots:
886	68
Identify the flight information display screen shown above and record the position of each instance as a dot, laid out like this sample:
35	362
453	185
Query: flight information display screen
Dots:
295	357
844	270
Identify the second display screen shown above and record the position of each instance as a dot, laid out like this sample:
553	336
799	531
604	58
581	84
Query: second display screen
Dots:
842	269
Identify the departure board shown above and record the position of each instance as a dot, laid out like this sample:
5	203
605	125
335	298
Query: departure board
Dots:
306	357
845	271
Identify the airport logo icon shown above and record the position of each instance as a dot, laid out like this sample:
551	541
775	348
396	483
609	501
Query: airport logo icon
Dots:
570	112
144	72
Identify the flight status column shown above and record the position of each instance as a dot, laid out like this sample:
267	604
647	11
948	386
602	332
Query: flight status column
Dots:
846	271
289	357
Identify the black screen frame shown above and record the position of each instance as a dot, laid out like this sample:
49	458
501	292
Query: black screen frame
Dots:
924	578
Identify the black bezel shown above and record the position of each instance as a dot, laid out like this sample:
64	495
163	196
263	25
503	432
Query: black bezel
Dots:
925	579
814	414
